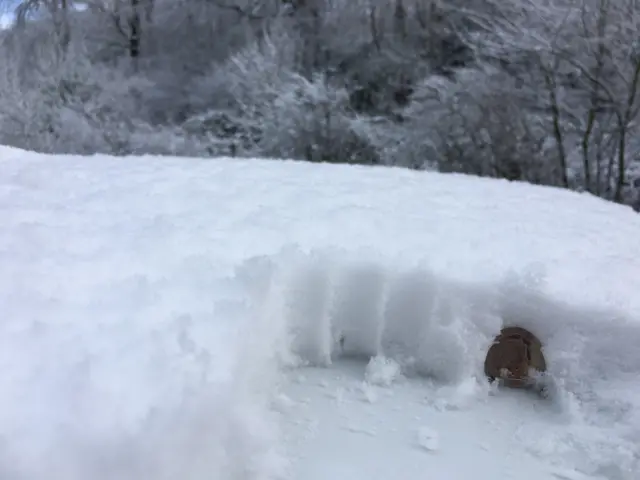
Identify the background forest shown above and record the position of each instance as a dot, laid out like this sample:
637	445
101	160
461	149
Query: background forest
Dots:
544	91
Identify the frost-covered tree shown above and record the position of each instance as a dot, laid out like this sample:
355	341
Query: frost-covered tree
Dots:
543	91
577	63
55	100
472	124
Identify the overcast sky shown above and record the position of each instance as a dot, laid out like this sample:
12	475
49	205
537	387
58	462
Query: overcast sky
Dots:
6	12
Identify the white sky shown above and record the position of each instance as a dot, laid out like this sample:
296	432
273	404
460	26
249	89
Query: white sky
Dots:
5	20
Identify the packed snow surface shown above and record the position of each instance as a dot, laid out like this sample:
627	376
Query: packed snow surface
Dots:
169	318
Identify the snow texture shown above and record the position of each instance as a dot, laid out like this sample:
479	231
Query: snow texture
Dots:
164	319
382	371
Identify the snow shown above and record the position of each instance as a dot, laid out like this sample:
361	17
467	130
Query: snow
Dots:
168	318
382	371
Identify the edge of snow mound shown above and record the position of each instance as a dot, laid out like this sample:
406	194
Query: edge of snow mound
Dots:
8	153
322	305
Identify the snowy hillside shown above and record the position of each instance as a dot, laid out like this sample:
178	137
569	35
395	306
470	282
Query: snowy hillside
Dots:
166	318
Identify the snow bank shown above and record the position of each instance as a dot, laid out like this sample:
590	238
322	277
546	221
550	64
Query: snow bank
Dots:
145	302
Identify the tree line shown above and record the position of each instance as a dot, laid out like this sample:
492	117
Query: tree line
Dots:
543	91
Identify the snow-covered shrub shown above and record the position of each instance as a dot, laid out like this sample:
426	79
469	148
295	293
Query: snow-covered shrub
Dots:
232	101
258	103
62	103
311	120
473	123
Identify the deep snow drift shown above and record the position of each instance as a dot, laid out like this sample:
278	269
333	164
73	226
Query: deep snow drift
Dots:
151	305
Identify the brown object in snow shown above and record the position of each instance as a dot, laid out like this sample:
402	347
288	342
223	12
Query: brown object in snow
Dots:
515	355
